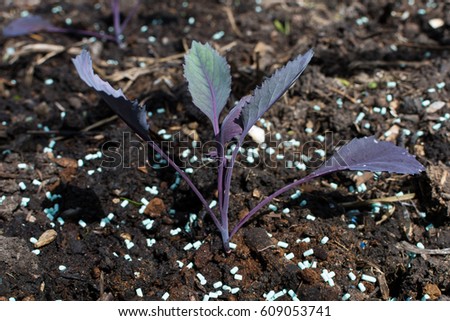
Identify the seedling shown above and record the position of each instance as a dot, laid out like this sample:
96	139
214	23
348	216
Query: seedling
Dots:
33	24
282	27
209	82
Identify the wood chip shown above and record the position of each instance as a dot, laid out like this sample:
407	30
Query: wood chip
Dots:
46	238
414	249
256	193
384	288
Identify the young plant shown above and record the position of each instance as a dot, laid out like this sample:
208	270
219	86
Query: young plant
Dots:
33	24
209	82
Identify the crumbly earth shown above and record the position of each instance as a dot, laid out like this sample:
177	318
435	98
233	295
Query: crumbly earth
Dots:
380	68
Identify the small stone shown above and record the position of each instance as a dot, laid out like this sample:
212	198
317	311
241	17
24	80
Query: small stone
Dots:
257	134
42	109
432	290
436	23
75	102
435	106
155	208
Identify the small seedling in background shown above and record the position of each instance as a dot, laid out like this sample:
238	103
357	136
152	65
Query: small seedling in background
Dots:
209	80
282	27
32	24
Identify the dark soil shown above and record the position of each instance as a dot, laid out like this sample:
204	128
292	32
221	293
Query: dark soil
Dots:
388	60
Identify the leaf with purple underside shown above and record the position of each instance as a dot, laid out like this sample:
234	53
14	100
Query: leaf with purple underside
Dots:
27	25
272	89
130	111
209	80
231	127
369	154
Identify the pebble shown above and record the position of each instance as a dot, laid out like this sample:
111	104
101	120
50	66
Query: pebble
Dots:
436	23
368	278
361	287
257	134
155	208
82	223
289	256
282	244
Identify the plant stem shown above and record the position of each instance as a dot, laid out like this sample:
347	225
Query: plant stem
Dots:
155	147
220	171
226	194
268	199
130	15
115	7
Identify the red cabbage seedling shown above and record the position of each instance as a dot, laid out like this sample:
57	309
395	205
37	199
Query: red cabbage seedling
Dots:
32	24
209	82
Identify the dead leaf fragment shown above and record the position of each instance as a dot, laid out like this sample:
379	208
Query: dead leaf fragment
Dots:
46	238
143	169
126	236
66	162
264	54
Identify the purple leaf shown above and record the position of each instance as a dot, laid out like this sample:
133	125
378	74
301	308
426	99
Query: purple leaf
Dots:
369	154
130	111
27	25
230	126
209	80
272	89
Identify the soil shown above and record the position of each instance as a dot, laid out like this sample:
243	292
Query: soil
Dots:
380	68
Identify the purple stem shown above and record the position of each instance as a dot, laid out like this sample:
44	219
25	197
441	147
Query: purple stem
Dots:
130	15
115	7
222	163
226	195
268	199
81	32
153	145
